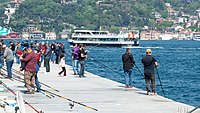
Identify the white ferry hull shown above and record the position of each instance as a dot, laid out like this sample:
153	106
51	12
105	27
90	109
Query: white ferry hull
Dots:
196	39
105	44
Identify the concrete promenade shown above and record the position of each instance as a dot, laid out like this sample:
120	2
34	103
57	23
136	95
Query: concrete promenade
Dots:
105	95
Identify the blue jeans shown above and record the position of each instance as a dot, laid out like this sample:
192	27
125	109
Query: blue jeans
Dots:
128	77
53	57
37	83
82	64
1	61
17	59
42	58
9	68
76	66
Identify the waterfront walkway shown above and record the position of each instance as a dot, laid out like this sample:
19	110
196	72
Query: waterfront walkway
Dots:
105	95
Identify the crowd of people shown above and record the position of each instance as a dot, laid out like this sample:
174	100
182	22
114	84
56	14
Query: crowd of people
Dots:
32	55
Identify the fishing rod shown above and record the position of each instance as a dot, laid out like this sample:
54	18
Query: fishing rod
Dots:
39	82
103	65
60	96
9	89
194	109
42	92
45	93
21	80
139	70
160	82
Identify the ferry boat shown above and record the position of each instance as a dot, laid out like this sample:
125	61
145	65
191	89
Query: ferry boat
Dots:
196	36
104	38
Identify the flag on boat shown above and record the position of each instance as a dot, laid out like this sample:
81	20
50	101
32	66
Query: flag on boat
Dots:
4	31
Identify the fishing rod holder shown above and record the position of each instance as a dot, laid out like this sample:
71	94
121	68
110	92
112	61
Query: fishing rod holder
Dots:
41	111
71	104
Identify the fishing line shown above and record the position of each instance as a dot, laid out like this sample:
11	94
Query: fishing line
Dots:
79	103
194	109
63	97
139	70
102	65
160	82
39	82
9	89
22	81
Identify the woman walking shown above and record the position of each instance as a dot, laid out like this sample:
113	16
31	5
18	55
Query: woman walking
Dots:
62	64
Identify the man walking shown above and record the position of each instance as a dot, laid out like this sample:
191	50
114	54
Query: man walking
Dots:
8	55
128	63
29	70
150	64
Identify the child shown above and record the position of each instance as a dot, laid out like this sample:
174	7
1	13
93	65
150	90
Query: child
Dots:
62	64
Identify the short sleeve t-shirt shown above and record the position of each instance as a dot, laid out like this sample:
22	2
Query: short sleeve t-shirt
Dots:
149	64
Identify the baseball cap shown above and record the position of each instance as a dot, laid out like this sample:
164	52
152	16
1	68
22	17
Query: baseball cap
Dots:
4	46
148	51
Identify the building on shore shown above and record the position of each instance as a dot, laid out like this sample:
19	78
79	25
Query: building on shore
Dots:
184	35
25	35
37	35
150	35
169	36
30	28
50	36
64	34
196	36
11	35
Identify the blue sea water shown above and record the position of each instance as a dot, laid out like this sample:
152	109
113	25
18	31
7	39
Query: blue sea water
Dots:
179	67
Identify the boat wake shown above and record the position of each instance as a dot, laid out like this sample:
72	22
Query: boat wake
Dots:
139	47
184	48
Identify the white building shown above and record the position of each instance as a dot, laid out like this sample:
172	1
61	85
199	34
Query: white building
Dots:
180	20
198	12
184	35
25	35
38	35
50	36
169	36
196	36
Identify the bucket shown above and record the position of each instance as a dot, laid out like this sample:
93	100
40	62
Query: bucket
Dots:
1	88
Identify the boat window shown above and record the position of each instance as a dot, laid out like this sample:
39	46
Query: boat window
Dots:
95	33
103	33
129	39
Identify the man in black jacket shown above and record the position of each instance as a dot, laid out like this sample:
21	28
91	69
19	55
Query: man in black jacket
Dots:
149	63
128	63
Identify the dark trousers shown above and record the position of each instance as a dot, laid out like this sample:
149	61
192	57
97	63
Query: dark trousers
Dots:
57	58
47	65
150	78
63	70
82	68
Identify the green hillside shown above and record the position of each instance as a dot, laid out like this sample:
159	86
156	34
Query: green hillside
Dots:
51	15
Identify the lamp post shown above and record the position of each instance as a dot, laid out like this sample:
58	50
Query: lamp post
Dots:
99	14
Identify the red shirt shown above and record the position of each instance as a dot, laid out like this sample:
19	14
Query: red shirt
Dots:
30	62
42	49
38	56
